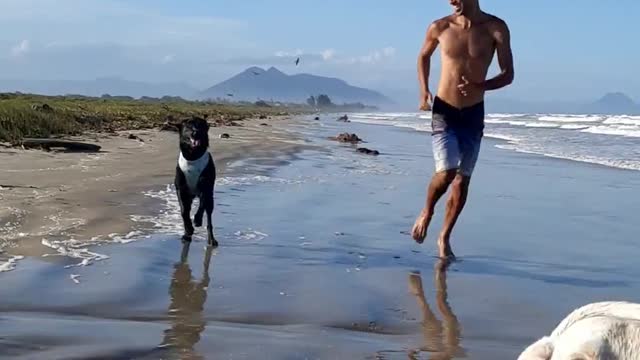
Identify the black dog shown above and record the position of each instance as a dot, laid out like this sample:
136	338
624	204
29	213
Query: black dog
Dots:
195	176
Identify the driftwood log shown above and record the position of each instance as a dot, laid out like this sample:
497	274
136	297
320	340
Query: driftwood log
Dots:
57	143
16	187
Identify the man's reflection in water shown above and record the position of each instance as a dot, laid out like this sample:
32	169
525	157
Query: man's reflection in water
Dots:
185	311
441	338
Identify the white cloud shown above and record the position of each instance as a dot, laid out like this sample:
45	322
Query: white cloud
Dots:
328	54
389	51
297	52
21	49
373	57
85	39
168	59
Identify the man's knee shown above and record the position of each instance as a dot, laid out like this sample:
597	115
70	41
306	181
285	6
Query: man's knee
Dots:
461	182
446	176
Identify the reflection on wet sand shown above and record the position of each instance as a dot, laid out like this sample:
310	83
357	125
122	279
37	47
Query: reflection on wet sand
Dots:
185	311
441	338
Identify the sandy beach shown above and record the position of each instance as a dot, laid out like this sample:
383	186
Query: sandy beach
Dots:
85	196
315	261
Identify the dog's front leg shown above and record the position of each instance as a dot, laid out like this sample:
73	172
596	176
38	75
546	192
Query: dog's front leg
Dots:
208	206
197	219
185	201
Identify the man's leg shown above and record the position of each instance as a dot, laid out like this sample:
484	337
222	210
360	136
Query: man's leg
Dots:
438	186
446	155
469	144
455	204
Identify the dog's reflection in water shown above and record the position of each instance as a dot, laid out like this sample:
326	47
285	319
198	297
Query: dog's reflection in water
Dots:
441	338
188	297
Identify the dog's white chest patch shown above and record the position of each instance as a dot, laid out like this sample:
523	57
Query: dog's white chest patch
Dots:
193	169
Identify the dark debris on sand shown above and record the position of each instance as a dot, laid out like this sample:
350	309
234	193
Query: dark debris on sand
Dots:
347	138
134	137
368	151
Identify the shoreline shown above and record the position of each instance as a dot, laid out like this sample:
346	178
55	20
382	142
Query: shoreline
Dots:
93	198
502	140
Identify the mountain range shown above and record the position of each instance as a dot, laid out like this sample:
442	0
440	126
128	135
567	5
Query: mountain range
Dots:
250	85
272	84
258	84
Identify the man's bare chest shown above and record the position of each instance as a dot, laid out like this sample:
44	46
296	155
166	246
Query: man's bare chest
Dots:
467	43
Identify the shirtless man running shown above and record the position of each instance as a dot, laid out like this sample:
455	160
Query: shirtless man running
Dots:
468	38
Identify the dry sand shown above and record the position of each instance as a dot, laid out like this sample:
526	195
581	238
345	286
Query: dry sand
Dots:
87	195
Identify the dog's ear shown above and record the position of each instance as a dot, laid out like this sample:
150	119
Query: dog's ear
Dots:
540	350
180	125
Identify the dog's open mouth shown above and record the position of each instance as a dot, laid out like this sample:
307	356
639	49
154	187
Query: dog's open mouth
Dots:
195	143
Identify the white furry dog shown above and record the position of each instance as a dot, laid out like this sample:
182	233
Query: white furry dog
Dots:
598	331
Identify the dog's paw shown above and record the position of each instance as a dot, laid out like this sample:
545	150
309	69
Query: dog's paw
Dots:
212	241
186	238
197	221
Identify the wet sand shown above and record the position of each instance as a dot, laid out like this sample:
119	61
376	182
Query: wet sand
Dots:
315	262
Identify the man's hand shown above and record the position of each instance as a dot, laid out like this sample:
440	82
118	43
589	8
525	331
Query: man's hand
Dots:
426	100
466	86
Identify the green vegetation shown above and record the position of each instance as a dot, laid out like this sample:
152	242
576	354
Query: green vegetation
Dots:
35	116
325	103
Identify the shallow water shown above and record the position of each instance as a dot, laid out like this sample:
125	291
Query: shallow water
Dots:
315	262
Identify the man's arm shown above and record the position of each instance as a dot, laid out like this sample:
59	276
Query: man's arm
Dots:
424	58
505	58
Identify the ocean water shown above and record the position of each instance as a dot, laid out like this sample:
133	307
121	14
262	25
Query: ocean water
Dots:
605	140
316	262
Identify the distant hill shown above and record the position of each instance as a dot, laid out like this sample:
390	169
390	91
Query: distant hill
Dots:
109	85
256	83
611	103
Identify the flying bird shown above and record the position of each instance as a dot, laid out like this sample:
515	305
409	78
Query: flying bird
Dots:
229	94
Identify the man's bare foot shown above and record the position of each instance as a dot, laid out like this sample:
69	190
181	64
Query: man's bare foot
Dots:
444	248
419	231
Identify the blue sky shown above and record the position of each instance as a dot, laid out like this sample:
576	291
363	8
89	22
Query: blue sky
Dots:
565	50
